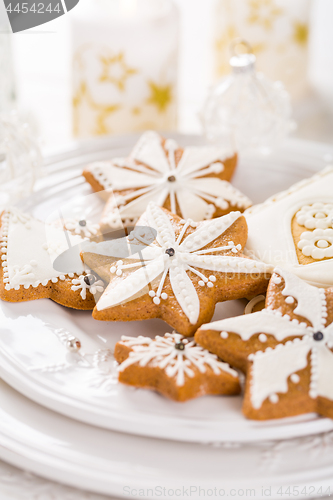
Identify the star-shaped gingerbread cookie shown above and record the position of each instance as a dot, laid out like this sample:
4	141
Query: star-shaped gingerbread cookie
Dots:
29	249
285	349
190	182
174	366
181	270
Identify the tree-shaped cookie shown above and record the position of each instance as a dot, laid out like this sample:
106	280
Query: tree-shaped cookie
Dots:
181	271
174	366
285	349
190	182
29	249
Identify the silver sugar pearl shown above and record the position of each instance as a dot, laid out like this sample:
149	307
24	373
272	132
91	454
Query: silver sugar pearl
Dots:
73	344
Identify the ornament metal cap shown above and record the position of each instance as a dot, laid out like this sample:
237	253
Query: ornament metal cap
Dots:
243	63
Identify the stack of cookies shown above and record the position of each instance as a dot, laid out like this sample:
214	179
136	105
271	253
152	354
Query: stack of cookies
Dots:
190	240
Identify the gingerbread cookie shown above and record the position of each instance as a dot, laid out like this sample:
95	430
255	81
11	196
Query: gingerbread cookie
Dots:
29	248
174	366
181	271
285	349
294	229
190	182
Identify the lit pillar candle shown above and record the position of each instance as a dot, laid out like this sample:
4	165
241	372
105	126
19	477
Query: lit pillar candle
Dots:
124	66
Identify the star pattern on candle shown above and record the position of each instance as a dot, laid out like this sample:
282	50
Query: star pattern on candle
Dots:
264	13
84	98
301	33
161	96
115	70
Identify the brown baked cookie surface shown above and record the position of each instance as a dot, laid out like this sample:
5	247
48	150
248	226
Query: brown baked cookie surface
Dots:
174	366
285	349
29	249
177	270
191	182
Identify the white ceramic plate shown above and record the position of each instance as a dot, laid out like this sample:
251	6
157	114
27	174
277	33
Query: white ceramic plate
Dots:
123	465
34	359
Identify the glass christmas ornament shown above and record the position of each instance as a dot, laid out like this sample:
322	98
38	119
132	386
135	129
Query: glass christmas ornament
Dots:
20	159
246	109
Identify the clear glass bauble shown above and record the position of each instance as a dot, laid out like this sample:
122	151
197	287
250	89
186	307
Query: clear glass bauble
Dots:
247	110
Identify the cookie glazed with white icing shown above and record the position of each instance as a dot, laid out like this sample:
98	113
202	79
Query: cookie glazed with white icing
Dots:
292	371
294	229
174	366
28	250
181	272
191	182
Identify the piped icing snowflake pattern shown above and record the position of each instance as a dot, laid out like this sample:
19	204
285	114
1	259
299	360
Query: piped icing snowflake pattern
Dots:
178	258
89	283
272	368
176	355
153	173
83	227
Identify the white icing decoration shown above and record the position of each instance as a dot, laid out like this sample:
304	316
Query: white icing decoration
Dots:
270	237
80	284
84	228
188	257
186	184
176	363
272	368
317	244
29	248
316	216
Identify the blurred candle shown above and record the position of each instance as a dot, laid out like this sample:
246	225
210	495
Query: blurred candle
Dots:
125	56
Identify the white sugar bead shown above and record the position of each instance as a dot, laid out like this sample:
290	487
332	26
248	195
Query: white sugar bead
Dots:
290	300
295	378
156	300
262	337
224	335
274	398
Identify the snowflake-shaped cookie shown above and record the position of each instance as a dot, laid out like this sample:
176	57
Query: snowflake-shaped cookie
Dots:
191	182
182	274
286	349
174	366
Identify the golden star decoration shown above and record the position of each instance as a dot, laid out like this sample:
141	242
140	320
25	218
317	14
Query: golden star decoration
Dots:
160	96
264	13
83	96
115	70
301	33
